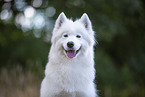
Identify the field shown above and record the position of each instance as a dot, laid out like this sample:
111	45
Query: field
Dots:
17	82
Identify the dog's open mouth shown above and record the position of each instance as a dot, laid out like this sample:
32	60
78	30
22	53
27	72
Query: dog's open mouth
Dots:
72	53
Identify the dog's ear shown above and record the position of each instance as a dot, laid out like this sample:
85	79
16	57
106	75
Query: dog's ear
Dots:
60	20
86	21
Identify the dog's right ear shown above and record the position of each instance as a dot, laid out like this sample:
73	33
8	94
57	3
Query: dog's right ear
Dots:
60	20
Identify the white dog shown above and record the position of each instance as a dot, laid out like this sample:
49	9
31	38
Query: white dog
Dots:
70	71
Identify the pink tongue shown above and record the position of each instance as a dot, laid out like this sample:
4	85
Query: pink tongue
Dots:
71	53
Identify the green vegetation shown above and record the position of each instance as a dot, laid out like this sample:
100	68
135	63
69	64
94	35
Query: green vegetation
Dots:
25	33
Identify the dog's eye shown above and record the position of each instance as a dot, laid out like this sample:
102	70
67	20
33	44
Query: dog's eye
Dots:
65	35
78	36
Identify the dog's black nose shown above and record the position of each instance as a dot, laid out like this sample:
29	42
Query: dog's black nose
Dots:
70	44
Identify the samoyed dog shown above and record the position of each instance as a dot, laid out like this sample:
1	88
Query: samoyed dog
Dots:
70	71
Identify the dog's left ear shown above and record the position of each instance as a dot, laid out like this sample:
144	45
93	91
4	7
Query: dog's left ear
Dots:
86	21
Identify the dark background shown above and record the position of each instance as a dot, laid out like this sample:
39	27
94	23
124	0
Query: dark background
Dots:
25	33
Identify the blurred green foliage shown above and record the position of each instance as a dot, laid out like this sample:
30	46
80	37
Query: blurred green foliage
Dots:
120	32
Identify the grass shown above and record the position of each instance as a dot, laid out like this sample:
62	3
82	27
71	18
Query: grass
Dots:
17	82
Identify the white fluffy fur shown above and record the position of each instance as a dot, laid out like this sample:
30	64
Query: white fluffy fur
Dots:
70	77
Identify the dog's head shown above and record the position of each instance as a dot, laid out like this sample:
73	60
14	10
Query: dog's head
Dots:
71	38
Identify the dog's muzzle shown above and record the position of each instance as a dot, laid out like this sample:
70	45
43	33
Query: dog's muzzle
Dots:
71	52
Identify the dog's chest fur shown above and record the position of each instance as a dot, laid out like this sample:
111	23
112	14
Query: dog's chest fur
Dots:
70	78
67	94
